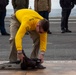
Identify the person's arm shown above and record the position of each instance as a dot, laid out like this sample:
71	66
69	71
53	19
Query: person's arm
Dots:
14	4
36	5
20	55
74	1
49	5
43	44
7	2
19	36
27	3
18	40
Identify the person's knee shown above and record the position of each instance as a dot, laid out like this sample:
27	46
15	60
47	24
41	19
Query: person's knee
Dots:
11	40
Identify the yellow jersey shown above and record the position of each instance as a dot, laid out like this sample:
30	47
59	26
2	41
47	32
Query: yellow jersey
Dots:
28	19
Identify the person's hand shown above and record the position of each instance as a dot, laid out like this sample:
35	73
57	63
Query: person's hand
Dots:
41	56
48	9
20	55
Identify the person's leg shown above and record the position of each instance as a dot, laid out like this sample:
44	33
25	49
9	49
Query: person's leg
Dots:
2	23
46	16
67	17
63	20
14	25
36	43
41	13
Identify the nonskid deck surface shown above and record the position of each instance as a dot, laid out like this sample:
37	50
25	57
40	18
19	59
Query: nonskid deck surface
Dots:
52	68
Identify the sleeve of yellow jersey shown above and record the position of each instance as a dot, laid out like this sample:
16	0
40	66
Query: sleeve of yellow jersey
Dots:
43	42
20	33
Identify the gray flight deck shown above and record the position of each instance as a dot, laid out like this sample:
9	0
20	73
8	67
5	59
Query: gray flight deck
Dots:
60	56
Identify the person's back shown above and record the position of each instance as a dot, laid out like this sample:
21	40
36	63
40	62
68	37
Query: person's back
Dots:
20	4
42	5
27	13
68	4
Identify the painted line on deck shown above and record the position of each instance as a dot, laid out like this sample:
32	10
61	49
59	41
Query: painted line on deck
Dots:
50	61
60	22
60	19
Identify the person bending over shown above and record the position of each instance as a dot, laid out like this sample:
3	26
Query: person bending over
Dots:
28	20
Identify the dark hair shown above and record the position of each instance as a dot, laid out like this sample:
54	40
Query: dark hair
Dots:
44	24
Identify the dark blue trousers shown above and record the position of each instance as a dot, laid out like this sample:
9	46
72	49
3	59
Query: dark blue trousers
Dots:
2	23
44	14
64	19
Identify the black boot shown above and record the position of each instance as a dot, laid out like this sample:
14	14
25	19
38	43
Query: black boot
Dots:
5	34
68	31
49	32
